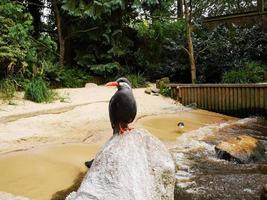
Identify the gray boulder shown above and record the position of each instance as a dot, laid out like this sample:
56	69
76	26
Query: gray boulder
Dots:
132	166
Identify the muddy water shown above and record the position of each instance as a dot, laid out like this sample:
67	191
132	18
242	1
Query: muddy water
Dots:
165	126
39	173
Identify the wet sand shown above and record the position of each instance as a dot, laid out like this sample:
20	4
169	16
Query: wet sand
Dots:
39	173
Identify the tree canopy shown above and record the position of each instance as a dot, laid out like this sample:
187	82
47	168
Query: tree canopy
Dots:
69	42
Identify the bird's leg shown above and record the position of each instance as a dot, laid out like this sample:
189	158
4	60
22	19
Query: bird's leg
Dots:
121	129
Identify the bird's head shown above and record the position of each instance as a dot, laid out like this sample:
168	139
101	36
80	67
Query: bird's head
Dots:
120	83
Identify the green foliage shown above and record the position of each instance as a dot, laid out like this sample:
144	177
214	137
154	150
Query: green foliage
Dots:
93	9
20	53
161	54
111	38
249	73
74	78
166	91
137	80
106	70
37	90
46	48
59	76
16	50
226	48
7	89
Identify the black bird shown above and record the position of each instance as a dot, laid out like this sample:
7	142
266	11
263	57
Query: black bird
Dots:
122	106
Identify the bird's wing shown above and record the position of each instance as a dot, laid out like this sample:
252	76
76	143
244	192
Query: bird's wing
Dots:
112	107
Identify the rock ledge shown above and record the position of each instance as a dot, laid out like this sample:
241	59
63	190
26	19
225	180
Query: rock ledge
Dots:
132	166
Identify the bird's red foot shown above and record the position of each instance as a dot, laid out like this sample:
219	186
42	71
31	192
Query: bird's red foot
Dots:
122	130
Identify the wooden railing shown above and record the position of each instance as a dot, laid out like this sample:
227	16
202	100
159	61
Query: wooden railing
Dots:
234	99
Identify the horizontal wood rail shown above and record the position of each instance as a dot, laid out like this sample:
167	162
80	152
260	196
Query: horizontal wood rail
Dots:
233	99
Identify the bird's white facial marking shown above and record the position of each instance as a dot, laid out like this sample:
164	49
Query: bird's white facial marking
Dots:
125	85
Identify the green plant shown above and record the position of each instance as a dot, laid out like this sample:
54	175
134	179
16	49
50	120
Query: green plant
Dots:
37	90
137	80
7	89
106	70
166	91
73	78
16	47
249	73
227	48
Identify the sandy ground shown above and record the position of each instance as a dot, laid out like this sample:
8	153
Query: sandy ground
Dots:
82	117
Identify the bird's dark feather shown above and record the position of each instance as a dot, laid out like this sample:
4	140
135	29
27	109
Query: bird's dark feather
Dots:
122	108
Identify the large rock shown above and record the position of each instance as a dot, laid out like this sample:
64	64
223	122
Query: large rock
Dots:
132	166
242	149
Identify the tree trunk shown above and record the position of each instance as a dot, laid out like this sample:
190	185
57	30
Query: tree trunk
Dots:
61	39
179	9
260	4
34	7
188	19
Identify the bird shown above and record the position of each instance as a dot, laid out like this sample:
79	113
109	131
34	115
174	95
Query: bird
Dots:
180	125
122	106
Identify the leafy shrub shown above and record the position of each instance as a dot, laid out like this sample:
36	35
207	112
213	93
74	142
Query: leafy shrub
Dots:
226	48
74	78
7	89
166	91
16	49
37	90
137	80
59	76
250	73
20	53
161	52
106	70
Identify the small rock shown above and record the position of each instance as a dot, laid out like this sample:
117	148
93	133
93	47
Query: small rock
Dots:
155	94
155	90
242	149
90	85
148	90
162	82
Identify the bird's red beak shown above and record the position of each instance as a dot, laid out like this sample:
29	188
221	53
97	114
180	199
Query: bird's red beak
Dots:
112	84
